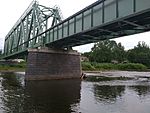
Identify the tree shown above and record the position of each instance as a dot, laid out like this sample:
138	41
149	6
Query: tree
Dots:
86	54
119	53
140	54
0	52
106	51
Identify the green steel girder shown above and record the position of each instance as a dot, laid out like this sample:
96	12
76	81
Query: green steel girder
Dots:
104	19
34	21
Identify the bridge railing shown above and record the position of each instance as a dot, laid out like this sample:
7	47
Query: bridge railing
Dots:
96	16
99	13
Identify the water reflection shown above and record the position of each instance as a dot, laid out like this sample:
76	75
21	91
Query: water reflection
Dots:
141	90
57	96
63	96
108	94
12	93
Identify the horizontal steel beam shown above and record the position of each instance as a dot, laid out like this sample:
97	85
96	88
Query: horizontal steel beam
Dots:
104	19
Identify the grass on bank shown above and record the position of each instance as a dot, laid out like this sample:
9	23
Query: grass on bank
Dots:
86	66
90	66
16	67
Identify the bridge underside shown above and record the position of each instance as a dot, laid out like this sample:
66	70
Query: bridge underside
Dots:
133	24
104	19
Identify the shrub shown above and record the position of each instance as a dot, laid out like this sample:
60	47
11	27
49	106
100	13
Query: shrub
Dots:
104	66
108	66
131	66
87	66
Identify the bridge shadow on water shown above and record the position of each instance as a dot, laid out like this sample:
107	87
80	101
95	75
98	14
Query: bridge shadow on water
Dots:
55	96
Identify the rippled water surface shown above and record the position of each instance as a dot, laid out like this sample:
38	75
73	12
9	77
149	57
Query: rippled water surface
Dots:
105	92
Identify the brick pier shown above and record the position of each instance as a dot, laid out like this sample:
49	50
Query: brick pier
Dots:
45	64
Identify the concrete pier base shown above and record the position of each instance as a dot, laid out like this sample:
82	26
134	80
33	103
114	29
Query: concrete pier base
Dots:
45	64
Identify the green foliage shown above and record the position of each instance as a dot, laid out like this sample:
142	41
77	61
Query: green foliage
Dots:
140	54
131	66
87	66
104	66
106	51
86	54
19	66
0	53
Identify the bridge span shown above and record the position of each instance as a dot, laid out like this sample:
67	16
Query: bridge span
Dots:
104	19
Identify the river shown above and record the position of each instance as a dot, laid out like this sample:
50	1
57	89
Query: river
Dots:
104	92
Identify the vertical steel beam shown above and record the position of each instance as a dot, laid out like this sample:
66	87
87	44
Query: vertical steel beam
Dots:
82	21
11	45
117	9
68	28
75	24
134	5
103	12
62	30
29	31
19	37
91	17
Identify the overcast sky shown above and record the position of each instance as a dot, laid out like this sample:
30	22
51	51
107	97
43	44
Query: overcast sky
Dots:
11	10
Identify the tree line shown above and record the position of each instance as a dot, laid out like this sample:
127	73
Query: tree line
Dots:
108	50
0	52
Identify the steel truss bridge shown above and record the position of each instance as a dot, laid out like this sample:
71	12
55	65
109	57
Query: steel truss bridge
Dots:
41	26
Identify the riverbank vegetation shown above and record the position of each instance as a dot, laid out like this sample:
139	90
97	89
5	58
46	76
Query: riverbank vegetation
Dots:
13	67
86	66
90	66
108	55
111	55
